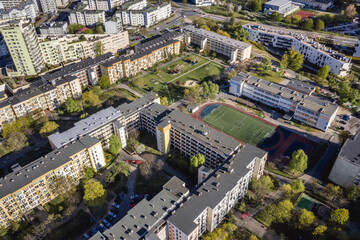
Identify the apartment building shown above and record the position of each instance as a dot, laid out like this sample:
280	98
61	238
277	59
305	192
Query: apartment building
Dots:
202	3
82	15
149	215
307	109
113	25
44	179
315	53
346	169
107	122
26	8
126	66
87	71
283	7
7	4
42	96
54	28
322	5
56	52
134	13
100	5
62	3
228	47
213	198
48	6
22	43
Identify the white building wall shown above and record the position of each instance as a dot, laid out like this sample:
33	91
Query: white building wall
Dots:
344	172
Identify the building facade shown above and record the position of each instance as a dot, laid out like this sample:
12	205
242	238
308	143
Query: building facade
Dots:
25	9
314	52
346	169
82	15
100	5
314	112
22	43
62	3
228	47
44	179
48	6
203	2
283	7
54	28
322	5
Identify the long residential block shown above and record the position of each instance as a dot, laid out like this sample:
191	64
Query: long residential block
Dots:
307	109
233	49
314	53
346	170
44	179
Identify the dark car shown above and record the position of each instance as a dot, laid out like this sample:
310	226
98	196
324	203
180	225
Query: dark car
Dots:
117	200
343	122
115	210
341	128
109	218
346	117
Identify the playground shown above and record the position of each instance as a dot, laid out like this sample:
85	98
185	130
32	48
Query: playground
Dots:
236	123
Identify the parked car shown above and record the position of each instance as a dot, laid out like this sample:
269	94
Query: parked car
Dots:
110	218
112	214
102	227
346	117
116	205
343	122
86	236
341	128
106	223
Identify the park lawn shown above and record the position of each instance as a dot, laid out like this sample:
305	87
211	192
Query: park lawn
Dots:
268	75
163	74
238	125
219	10
205	72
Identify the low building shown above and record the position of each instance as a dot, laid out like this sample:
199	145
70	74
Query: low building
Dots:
307	88
314	112
54	28
203	2
62	3
346	169
213	198
192	108
126	66
322	5
47	177
283	7
314	53
233	49
81	15
26	8
147	218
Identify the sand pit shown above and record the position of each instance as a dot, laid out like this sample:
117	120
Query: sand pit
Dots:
190	83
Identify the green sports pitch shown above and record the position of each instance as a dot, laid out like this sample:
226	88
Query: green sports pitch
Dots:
238	125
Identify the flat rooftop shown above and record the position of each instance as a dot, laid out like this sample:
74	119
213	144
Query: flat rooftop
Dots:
211	35
213	189
301	86
85	126
278	3
351	149
135	106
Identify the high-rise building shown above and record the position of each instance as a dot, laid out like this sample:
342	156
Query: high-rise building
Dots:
6	4
48	6
82	15
26	8
22	43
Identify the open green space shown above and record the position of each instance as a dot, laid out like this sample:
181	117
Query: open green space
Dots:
179	67
205	72
219	10
238	125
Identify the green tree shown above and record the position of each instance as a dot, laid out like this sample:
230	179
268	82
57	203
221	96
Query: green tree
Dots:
276	16
339	217
16	140
256	5
287	189
90	97
138	82
48	128
308	24
262	186
213	90
350	11
104	82
96	90
93	190
292	59
205	27
99	29
230	75
319	25
89	173
72	106
241	34
266	63
164	101
297	186
319	231
73	28
205	89
121	168
306	218
283	211
253	237
298	163
295	19
323	72
332	191
88	31
352	193
221	32
114	145
99	48
196	161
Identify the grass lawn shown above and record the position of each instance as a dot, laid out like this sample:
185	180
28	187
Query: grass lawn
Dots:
219	10
205	72
268	75
238	125
71	229
163	74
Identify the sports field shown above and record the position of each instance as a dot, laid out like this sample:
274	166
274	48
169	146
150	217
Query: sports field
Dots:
236	124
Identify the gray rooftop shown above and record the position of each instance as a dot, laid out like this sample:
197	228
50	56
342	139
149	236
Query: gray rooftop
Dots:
159	40
146	214
301	86
278	3
137	105
59	24
351	149
85	126
221	143
156	111
212	35
304	100
20	178
214	188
